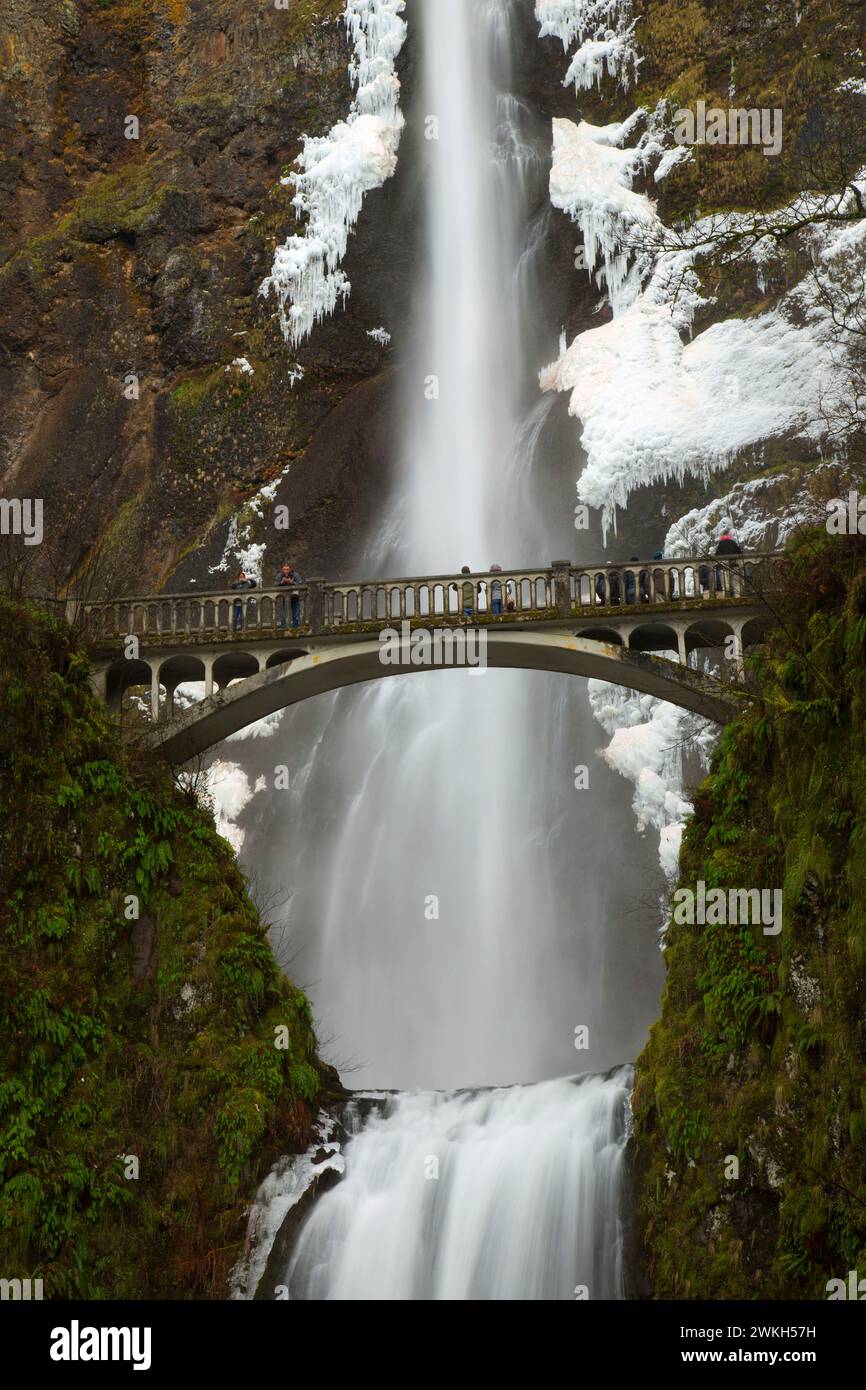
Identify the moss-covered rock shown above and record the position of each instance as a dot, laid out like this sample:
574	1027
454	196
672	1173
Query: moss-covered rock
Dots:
760	1051
154	1058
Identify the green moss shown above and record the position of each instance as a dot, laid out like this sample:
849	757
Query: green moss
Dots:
304	15
152	1036
760	1050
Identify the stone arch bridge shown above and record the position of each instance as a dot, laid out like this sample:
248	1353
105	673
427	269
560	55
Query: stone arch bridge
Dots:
258	651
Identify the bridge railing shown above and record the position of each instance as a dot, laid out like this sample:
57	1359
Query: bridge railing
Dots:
562	590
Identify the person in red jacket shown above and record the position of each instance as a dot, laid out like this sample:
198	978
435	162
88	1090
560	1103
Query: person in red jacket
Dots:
726	546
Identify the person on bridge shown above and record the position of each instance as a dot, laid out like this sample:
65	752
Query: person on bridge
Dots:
496	591
243	581
726	546
468	592
288	577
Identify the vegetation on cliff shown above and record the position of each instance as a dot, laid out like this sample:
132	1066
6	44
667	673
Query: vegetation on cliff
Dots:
760	1051
154	1059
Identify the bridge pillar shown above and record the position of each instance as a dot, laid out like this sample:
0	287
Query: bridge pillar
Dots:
316	600
208	676
562	586
737	625
682	650
99	681
154	693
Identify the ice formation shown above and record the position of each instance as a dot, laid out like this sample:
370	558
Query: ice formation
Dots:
229	789
654	407
590	180
648	742
282	1189
335	172
604	33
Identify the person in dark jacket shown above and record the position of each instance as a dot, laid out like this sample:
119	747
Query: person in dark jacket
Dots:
726	546
243	581
288	577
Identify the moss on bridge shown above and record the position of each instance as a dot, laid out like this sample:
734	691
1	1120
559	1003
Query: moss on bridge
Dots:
151	1038
760	1051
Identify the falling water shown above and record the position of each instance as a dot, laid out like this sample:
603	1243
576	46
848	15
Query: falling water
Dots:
505	1194
447	909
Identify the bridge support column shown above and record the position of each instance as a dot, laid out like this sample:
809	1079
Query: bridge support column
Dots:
739	662
208	676
681	647
99	681
562	586
154	693
316	599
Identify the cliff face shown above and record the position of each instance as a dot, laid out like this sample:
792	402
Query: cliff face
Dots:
144	256
749	1101
155	1060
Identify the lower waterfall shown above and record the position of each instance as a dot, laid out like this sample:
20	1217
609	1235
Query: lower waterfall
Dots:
505	1193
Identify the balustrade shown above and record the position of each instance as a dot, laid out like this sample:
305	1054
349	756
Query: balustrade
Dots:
560	591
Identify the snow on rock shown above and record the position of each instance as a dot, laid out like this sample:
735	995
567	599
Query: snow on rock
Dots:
282	1189
242	365
680	154
604	31
654	407
240	551
758	512
337	170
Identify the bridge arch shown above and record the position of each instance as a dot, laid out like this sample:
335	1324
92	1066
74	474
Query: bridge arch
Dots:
234	665
333	667
603	634
653	637
281	658
122	675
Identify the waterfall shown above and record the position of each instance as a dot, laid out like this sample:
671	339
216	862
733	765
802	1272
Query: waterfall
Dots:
457	907
504	1194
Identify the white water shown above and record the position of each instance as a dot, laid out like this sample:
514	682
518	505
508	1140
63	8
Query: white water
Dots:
507	1194
460	787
